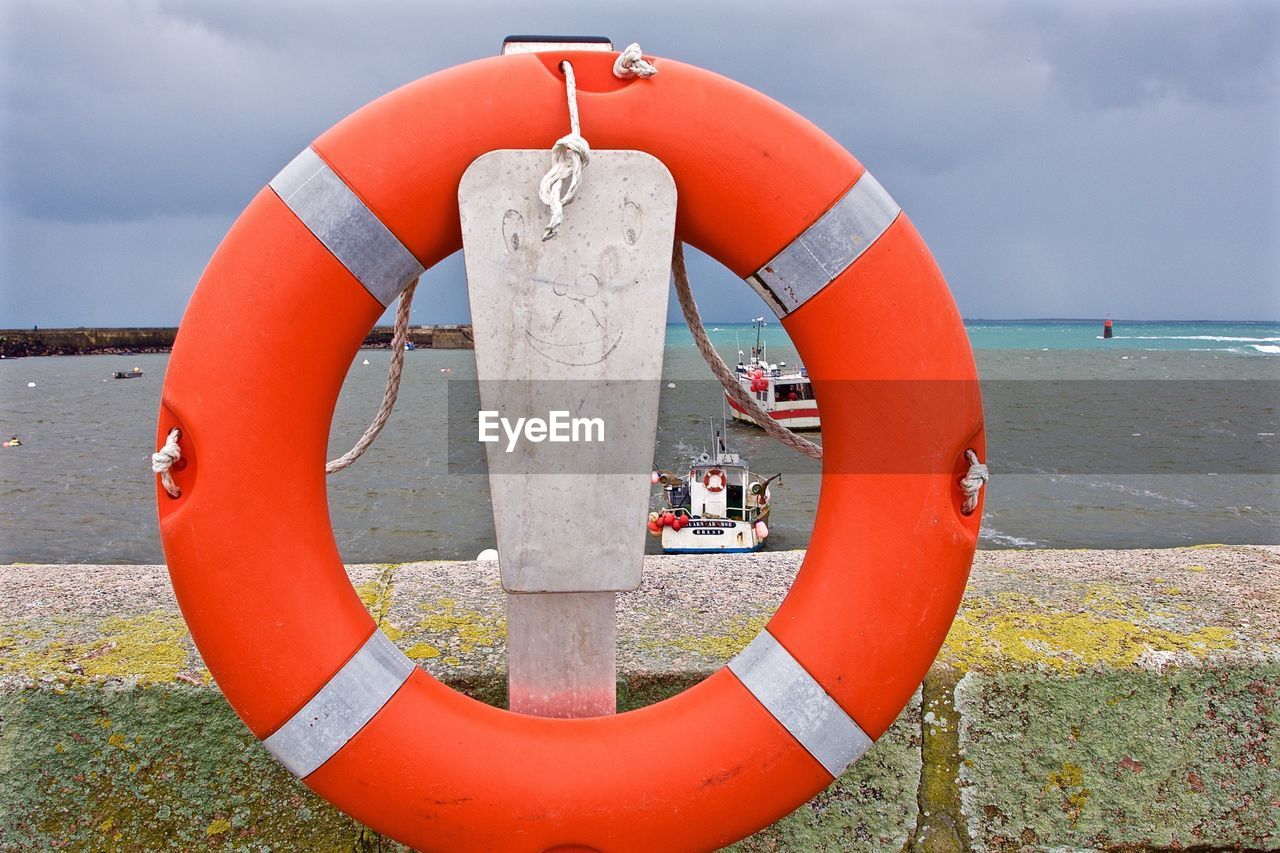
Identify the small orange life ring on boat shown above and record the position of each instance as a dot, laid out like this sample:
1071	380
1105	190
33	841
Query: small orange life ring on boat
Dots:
315	260
718	476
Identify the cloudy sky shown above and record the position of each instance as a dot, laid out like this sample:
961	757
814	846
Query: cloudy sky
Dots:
1062	159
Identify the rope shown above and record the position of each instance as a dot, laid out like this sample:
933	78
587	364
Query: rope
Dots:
164	458
569	156
972	482
728	378
631	63
571	153
392	389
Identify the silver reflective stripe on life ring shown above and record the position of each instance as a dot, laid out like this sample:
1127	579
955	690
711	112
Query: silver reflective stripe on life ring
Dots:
346	226
800	704
826	248
342	707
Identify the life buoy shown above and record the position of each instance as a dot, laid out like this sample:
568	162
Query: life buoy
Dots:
313	262
718	476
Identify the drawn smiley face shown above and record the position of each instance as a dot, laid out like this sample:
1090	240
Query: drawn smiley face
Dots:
568	322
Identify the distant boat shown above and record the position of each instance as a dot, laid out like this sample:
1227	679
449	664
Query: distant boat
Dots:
1106	327
128	374
786	395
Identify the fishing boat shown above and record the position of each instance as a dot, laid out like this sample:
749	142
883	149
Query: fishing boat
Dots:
786	394
128	374
716	506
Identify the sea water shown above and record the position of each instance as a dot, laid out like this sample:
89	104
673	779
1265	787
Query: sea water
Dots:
1164	435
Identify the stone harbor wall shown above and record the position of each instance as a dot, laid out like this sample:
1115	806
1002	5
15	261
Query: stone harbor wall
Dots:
1119	700
18	343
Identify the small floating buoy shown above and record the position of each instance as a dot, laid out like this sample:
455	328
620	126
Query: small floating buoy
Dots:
488	555
1106	327
31	384
671	384
446	370
366	361
13	442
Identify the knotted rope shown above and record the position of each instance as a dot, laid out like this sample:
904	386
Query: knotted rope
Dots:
972	482
164	458
571	153
631	63
569	156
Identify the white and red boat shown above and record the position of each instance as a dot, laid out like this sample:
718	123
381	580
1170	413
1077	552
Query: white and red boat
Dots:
716	506
785	394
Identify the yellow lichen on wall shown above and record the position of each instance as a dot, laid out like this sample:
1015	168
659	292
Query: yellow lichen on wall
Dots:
221	826
733	636
989	633
376	594
149	647
471	628
421	651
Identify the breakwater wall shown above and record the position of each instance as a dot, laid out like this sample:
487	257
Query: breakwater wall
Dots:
17	343
1113	700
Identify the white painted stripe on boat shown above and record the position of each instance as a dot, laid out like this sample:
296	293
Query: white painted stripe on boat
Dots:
346	226
827	247
799	703
342	707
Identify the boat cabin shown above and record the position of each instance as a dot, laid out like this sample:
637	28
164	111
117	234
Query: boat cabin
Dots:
717	487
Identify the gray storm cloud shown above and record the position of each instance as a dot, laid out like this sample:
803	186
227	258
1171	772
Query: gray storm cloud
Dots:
1061	159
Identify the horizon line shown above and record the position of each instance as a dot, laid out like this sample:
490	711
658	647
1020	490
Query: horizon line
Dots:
707	322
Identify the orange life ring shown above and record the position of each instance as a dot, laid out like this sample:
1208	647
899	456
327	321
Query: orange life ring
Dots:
706	480
315	259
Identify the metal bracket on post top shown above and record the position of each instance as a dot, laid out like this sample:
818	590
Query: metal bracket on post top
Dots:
542	44
568	335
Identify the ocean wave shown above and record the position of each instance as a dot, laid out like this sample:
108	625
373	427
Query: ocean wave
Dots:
1127	489
1269	349
1220	338
992	535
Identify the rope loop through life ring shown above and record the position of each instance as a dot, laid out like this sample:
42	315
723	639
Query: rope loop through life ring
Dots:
338	234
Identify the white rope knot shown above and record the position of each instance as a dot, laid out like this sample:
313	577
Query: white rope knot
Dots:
571	153
972	482
164	458
631	63
569	156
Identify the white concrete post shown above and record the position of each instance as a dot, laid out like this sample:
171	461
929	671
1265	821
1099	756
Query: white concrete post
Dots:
568	331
